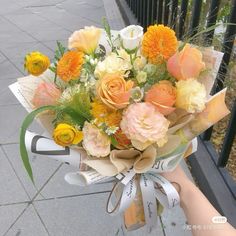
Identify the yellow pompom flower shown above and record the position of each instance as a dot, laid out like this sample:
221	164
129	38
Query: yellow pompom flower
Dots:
104	114
36	63
191	95
159	43
66	135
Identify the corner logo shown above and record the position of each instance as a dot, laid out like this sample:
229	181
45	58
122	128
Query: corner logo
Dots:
219	219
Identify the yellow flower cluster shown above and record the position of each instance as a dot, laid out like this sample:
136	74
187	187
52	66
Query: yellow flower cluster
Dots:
103	114
66	135
36	63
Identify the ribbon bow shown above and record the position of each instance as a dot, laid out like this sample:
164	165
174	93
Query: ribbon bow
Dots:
150	193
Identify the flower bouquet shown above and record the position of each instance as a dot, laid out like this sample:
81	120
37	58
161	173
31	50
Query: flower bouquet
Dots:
122	107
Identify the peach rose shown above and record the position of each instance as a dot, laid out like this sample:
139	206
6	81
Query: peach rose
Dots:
162	96
186	64
114	91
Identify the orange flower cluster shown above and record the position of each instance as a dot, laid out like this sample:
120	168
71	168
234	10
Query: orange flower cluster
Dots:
69	66
104	114
159	43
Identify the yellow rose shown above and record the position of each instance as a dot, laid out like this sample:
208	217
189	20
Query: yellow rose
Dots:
191	95
36	63
85	40
66	135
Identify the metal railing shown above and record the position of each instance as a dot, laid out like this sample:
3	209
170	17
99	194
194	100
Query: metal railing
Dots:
174	13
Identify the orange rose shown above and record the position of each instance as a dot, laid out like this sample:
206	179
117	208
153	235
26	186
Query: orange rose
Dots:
162	96
186	64
114	91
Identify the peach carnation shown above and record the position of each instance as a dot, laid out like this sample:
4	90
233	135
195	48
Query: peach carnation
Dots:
95	142
144	125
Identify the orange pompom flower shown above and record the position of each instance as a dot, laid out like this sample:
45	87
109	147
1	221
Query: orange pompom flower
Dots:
69	66
159	43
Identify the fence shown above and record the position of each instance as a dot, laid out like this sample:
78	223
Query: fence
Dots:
207	165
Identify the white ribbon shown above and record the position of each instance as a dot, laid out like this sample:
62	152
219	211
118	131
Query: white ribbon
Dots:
168	198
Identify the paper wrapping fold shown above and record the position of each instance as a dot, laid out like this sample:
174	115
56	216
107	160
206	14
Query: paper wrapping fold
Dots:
215	110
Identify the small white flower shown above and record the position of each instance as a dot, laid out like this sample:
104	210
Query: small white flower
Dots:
111	130
137	94
141	77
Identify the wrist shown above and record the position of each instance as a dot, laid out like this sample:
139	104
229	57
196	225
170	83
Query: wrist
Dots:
187	191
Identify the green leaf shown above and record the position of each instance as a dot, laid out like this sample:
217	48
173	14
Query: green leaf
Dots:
26	123
114	141
107	27
61	48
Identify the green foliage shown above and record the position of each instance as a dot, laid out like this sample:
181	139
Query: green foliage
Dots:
77	108
26	123
58	54
107	29
156	73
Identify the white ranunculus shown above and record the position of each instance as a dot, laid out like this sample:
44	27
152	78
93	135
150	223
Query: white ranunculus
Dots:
131	36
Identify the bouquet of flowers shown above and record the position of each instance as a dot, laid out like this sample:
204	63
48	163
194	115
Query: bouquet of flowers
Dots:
124	107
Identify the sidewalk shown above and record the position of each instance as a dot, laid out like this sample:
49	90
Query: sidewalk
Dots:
54	208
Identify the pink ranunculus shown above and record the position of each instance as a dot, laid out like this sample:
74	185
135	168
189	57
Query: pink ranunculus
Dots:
46	94
95	142
144	125
186	64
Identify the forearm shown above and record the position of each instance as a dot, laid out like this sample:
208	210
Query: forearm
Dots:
199	212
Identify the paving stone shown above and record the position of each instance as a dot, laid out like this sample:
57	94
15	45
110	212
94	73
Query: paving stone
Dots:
5	83
8	215
30	22
38	3
64	19
11	118
43	168
56	33
85	10
6	26
28	224
58	187
8	8
19	50
53	44
96	3
9	37
83	216
8	70
11	188
6	97
114	16
2	58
